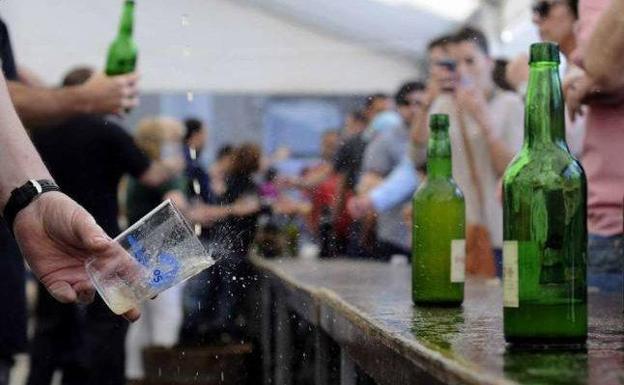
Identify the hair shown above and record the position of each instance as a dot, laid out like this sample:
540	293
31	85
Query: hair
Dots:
246	159
77	76
149	136
152	132
441	41
498	74
358	116
193	126
473	35
573	4
371	99
225	150
400	97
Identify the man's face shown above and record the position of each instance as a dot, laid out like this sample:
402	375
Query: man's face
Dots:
554	19
199	139
410	111
441	68
474	67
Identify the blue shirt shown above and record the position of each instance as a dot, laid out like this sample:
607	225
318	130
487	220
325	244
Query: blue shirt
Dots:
397	187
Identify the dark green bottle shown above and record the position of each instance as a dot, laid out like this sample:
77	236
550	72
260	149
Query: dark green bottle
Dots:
122	53
545	220
438	246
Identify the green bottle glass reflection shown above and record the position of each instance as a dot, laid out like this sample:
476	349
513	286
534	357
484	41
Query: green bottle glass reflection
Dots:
438	247
122	53
545	220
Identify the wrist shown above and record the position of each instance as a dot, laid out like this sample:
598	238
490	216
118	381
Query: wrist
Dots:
24	198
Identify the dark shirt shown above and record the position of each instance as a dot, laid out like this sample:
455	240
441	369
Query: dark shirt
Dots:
195	171
87	157
236	233
348	160
12	272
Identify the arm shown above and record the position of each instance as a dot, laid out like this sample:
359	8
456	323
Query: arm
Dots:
38	106
158	173
54	233
396	188
604	56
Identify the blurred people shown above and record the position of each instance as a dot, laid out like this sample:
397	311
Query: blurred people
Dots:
87	155
160	140
488	131
197	178
220	168
38	106
213	299
499	75
382	155
602	92
556	22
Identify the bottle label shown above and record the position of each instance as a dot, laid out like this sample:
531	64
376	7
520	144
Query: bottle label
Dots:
458	260
510	274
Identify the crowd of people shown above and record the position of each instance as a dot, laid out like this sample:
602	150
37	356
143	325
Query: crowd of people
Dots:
354	201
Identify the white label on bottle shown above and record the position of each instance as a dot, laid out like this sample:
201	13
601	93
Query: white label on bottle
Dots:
510	274
458	260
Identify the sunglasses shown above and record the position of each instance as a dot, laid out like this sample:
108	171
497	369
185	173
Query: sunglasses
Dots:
542	8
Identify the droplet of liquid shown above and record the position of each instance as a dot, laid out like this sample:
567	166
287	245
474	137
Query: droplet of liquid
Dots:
189	96
185	20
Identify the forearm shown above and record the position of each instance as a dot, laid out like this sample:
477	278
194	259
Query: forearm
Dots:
43	106
19	161
605	49
500	154
396	188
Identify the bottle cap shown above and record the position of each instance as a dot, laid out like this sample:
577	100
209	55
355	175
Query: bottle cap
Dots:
544	52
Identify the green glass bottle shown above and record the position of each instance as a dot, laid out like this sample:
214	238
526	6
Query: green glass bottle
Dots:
438	246
122	53
545	220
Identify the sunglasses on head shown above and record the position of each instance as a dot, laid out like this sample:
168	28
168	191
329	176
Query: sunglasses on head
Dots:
542	8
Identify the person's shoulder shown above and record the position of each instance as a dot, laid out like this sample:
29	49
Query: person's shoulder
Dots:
508	98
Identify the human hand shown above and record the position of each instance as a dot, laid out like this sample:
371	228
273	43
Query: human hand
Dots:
245	206
576	87
472	101
360	206
110	95
56	237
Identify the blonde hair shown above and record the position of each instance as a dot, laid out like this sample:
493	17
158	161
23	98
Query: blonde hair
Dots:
152	132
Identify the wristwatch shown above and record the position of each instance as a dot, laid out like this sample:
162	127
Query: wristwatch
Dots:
24	195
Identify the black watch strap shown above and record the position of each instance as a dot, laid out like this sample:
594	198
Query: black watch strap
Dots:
22	196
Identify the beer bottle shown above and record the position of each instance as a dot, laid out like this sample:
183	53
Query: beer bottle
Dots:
122	53
438	246
545	220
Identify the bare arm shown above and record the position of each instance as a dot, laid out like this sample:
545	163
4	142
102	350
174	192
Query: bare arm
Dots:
38	106
160	172
604	57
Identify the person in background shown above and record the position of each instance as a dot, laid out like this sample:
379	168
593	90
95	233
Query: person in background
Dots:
382	155
160	140
602	92
401	183
39	106
197	178
213	299
220	168
556	22
86	343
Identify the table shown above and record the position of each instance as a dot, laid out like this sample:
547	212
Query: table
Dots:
365	309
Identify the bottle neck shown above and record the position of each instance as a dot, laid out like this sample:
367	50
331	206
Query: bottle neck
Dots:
439	162
127	20
544	116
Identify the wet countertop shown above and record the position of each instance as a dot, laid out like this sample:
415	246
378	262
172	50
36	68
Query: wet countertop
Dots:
367	308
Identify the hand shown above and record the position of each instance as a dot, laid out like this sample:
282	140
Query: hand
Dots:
472	101
517	71
110	95
56	237
576	87
360	206
245	206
